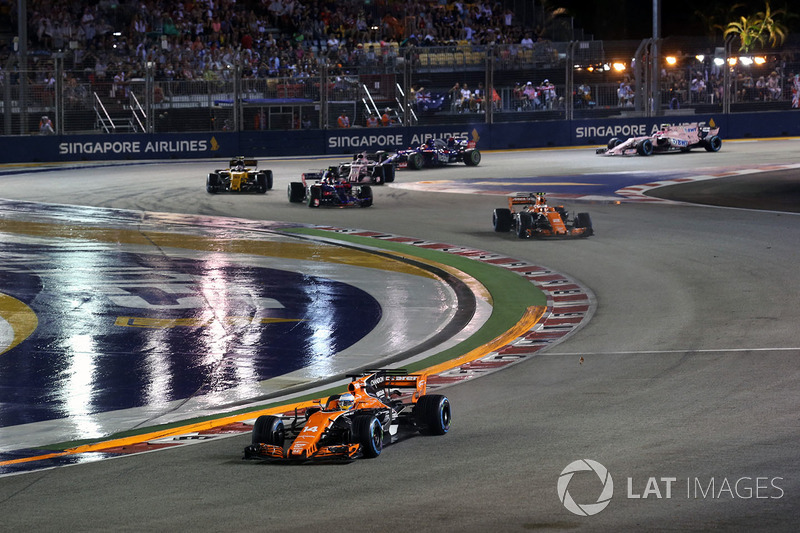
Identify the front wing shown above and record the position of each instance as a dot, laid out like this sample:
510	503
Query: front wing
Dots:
334	452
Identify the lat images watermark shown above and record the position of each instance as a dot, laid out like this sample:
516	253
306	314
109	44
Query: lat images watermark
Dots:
585	509
658	487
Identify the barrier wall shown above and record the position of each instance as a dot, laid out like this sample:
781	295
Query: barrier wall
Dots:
539	134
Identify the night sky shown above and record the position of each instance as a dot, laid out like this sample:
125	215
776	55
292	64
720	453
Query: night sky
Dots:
633	19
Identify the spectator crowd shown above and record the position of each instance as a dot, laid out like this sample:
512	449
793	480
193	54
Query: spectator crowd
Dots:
201	39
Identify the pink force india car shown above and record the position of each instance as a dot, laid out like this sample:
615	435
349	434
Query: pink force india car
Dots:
668	138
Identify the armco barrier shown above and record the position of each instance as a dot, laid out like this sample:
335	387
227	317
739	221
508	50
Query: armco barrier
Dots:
518	135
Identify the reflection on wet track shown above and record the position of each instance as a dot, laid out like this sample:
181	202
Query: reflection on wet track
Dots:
99	318
122	330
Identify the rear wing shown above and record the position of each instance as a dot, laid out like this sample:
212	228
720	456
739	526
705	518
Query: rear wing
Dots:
247	162
522	198
375	380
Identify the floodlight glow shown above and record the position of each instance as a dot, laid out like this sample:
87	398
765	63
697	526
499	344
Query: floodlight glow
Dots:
700	57
760	60
732	61
671	60
746	61
619	67
718	61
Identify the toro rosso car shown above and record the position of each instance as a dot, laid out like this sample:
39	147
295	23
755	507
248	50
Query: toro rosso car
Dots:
380	407
437	153
529	216
327	188
241	176
368	168
667	139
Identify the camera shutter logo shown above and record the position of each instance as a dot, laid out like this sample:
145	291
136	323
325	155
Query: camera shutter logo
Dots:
585	509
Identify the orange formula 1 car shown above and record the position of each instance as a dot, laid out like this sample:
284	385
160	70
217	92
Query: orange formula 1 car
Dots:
529	216
373	412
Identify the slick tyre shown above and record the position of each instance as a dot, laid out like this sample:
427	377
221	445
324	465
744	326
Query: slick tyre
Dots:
212	183
472	158
432	414
613	143
388	173
263	181
269	430
368	432
502	220
713	144
268	180
524	224
314	197
415	161
365	195
645	147
296	192
583	220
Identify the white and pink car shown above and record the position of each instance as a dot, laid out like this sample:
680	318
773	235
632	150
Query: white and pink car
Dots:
668	138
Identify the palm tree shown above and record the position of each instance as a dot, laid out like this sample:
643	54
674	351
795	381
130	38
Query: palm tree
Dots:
712	17
759	28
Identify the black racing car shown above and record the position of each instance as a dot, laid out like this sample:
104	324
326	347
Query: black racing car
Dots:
437	153
241	176
327	188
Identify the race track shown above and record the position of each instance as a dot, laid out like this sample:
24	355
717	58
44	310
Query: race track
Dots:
684	384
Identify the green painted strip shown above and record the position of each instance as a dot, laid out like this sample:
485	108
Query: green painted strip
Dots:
511	293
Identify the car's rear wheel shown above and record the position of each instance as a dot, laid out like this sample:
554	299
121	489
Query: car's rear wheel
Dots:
268	180
432	414
502	219
472	158
368	432
713	144
269	430
212	183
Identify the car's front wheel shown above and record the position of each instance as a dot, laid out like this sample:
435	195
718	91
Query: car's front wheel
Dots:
645	147
296	192
212	183
314	197
365	195
583	220
269	430
368	432
524	224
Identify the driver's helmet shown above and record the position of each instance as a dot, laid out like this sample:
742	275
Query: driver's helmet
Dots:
346	401
328	176
451	142
239	165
